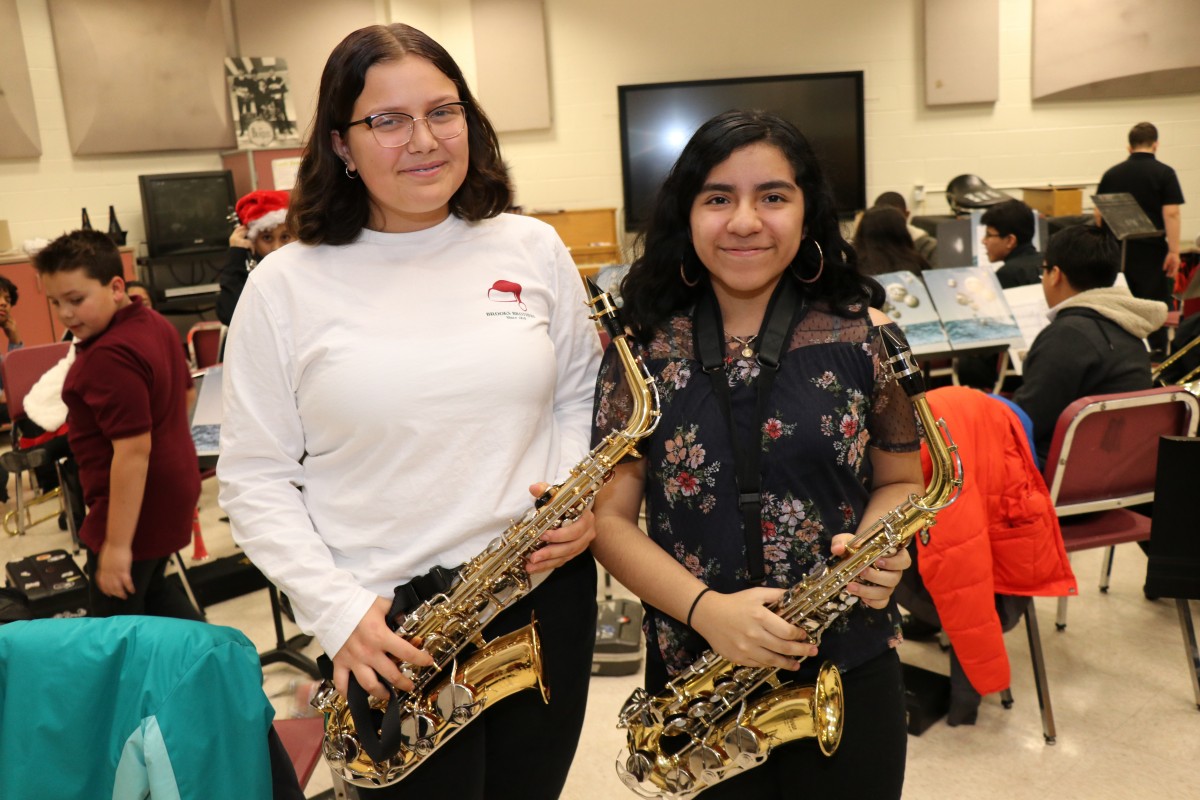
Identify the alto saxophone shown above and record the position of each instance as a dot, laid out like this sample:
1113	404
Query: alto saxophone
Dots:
459	686
716	718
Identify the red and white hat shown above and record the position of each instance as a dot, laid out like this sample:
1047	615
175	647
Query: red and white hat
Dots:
262	210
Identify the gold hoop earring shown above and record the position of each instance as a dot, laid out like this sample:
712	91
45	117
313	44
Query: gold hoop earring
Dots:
683	277
820	262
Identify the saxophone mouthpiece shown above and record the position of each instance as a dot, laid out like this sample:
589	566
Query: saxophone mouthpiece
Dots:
605	309
900	360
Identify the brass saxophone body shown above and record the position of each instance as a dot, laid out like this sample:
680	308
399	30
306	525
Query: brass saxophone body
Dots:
462	683
716	718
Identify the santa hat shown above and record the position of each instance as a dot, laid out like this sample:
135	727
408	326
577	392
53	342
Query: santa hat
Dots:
262	210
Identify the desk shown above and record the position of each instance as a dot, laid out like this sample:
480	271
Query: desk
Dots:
206	416
590	234
926	358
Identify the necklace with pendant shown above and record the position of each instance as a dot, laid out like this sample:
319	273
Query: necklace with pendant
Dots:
747	343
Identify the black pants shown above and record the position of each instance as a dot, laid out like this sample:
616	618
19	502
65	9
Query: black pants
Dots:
1146	279
522	748
155	595
869	761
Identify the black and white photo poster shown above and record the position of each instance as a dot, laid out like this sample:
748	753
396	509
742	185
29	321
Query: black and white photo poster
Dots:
259	95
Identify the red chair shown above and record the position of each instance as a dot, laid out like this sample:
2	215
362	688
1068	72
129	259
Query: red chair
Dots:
303	739
1103	459
204	341
21	369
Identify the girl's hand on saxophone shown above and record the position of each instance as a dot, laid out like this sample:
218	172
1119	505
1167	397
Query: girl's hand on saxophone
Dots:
740	628
874	586
563	543
897	477
372	651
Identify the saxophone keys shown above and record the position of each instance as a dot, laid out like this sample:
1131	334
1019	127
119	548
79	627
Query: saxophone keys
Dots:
705	761
456	703
742	743
638	767
417	730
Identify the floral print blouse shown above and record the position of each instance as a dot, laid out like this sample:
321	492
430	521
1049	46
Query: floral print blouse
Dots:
831	401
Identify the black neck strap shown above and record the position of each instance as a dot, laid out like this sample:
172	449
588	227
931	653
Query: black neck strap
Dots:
783	311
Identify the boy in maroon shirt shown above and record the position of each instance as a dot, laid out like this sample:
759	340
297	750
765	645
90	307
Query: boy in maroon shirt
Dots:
127	397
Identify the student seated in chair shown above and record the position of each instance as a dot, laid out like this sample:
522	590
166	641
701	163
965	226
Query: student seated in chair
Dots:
1008	238
8	299
127	413
1093	344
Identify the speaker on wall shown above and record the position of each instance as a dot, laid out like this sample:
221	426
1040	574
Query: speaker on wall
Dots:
142	75
962	52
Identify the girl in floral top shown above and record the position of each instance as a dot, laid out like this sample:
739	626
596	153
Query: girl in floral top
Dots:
744	210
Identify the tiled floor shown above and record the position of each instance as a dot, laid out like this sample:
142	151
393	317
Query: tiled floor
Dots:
1128	726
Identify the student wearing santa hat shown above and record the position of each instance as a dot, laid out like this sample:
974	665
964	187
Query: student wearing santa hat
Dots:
262	229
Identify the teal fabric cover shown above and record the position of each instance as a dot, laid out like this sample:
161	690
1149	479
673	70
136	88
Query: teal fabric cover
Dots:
129	708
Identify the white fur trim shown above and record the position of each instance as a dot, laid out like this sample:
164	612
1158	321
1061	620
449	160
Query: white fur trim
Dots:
44	404
272	219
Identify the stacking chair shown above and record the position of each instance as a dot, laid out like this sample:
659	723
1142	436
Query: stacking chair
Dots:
21	370
204	340
1174	567
1103	459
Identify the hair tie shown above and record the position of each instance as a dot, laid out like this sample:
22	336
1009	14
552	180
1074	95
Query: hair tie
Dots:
692	610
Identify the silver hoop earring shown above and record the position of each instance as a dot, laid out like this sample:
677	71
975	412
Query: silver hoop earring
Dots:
352	174
683	277
820	262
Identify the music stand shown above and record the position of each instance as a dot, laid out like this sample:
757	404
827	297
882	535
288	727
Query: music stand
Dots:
287	650
1125	218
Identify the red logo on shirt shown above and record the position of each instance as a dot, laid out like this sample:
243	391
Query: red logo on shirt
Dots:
503	291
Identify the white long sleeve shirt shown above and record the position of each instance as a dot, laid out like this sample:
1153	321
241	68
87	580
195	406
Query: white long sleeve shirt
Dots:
388	403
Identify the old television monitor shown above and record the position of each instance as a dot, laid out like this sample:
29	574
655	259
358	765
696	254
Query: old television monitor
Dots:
187	212
657	119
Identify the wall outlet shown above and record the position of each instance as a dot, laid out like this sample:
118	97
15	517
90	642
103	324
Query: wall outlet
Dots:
918	193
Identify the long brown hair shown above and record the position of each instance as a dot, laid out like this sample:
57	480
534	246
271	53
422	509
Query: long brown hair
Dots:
327	207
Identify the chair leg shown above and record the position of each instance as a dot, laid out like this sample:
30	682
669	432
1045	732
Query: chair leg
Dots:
64	502
1039	674
187	584
1060	620
20	491
1106	568
1189	645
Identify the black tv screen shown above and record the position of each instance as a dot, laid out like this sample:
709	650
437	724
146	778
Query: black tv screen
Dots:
657	119
187	212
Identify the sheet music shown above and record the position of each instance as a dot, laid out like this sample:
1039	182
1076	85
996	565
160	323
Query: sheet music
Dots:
1028	305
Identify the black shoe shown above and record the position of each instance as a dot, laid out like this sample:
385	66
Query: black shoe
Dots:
962	714
917	630
62	520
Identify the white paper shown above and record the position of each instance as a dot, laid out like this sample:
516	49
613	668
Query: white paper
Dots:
283	172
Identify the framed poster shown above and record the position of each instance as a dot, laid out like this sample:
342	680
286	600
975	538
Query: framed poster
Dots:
261	102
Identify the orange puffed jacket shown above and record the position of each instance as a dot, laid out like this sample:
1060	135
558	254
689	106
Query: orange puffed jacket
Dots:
1000	537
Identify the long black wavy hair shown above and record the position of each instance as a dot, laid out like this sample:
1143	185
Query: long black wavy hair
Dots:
653	290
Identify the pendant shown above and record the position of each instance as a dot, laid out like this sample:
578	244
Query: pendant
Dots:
747	352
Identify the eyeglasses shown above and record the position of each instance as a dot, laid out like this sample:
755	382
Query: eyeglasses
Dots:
395	129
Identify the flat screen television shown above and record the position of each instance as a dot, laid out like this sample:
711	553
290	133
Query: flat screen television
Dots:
657	119
187	212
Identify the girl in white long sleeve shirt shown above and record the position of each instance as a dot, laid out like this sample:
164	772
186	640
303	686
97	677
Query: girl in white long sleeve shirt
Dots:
396	381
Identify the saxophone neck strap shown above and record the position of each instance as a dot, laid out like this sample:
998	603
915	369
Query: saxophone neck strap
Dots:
783	310
379	731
